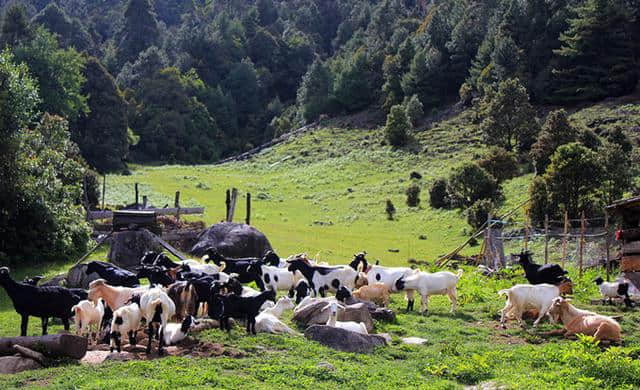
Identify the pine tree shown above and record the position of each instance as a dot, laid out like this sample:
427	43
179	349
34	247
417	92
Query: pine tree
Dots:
397	126
556	131
102	134
392	88
596	58
15	26
140	31
313	94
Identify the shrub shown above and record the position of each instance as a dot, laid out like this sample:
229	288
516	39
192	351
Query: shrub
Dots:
395	131
390	210
479	212
500	163
438	198
414	110
413	195
540	204
469	183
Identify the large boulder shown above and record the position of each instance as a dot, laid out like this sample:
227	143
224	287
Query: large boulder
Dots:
127	247
344	340
235	240
14	364
316	313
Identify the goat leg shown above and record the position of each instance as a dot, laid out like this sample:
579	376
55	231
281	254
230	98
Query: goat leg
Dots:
65	322
161	343
150	337
45	323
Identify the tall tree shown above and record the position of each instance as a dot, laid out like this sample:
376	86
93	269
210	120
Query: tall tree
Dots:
102	133
556	131
313	94
15	26
596	58
140	30
70	31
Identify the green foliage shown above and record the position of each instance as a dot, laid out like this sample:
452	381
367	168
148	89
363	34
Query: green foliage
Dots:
313	94
102	134
58	71
617	171
392	87
149	61
69	31
540	204
500	164
573	180
438	197
597	54
353	87
140	30
478	213
469	183
414	111
395	131
172	124
413	195
556	131
509	119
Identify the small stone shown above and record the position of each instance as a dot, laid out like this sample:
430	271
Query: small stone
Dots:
326	365
414	340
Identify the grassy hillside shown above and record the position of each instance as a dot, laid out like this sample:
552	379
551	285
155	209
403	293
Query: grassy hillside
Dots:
325	192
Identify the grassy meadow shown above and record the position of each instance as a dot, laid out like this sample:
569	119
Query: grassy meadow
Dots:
324	193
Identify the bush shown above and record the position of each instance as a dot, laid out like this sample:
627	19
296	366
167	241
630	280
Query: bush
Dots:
413	195
438	198
478	213
500	163
390	210
469	183
540	204
395	131
414	110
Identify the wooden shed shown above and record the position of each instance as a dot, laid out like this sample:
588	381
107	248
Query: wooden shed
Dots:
628	210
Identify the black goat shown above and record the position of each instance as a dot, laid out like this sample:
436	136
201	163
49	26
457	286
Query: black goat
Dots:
360	258
43	302
537	273
300	290
225	306
155	275
239	267
105	324
164	261
33	280
149	257
113	275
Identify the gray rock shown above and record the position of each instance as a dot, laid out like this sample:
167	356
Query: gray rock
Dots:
382	314
344	340
128	247
14	364
57	280
119	357
315	313
77	277
235	240
326	365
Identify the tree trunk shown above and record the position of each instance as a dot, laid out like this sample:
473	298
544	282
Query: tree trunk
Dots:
52	345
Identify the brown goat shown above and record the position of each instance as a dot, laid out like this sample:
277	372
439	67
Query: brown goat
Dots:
377	293
585	322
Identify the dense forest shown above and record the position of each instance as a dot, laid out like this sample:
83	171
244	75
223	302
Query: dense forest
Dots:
90	85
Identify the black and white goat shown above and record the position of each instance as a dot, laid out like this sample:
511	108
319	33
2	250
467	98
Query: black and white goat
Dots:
389	276
156	308
324	279
612	290
225	306
37	301
173	333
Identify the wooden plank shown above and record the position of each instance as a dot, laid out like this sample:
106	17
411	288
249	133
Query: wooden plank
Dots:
168	247
166	211
100	242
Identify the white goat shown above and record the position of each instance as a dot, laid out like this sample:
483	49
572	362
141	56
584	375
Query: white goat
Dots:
156	308
353	326
172	333
126	320
87	314
276	278
268	321
426	284
523	297
389	276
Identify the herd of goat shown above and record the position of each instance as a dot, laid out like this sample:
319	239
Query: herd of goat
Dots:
116	304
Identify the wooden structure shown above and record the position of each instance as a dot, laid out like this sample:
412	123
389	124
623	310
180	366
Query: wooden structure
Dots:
133	219
628	210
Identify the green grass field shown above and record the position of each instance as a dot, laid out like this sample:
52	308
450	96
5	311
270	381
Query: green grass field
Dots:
324	193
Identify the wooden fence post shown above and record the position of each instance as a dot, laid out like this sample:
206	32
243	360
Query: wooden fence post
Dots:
104	186
228	204
177	205
546	238
564	236
232	207
582	230
144	201
526	235
136	187
607	242
488	246
248	220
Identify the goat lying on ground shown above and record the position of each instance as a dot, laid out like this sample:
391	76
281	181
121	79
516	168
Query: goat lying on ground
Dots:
115	297
353	326
585	322
126	320
37	301
614	290
268	321
537	273
87	314
113	275
172	333
426	284
523	297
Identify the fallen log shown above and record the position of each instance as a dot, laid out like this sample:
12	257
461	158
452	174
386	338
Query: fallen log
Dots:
51	345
